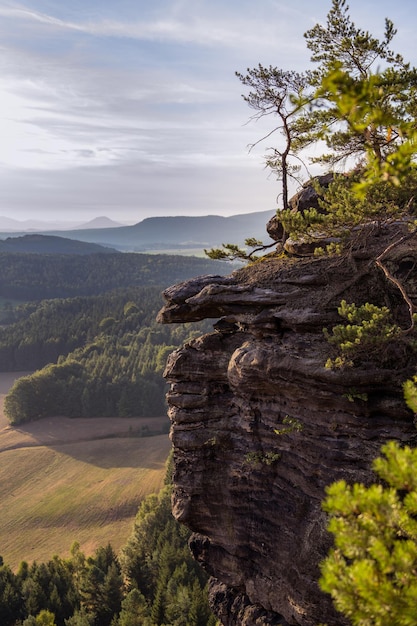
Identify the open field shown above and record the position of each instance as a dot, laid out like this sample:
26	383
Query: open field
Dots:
64	480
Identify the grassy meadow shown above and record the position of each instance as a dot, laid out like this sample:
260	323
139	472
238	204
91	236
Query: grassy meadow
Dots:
64	480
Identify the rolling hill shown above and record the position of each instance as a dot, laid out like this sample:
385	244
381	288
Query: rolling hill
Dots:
178	232
51	244
64	480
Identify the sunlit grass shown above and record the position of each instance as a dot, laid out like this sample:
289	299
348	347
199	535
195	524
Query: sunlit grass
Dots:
86	491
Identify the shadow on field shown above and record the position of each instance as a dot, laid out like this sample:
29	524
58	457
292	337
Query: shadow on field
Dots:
104	442
118	452
107	442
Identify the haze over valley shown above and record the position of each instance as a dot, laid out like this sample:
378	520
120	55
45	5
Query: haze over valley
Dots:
177	234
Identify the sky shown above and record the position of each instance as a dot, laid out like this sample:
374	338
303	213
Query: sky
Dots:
131	108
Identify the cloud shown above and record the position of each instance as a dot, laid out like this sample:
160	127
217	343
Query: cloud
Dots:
215	25
134	188
134	106
26	14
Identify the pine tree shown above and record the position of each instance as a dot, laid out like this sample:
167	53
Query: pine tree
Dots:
11	601
134	609
80	618
371	571
45	618
366	92
281	94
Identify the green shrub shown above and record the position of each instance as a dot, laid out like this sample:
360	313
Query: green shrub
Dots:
365	336
370	572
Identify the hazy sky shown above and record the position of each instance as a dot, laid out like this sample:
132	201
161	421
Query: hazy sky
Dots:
131	109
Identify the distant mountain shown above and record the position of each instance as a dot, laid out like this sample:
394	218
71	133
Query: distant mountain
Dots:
179	232
50	244
100	222
8	224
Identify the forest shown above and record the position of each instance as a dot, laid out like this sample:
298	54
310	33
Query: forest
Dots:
361	103
86	327
30	277
100	354
153	581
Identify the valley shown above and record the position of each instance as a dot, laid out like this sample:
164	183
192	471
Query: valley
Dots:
84	440
82	479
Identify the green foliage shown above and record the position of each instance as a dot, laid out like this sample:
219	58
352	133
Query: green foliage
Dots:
366	94
41	593
11	601
371	571
79	618
282	94
380	202
154	582
110	351
267	458
135	610
130	308
344	213
368	331
374	112
107	323
353	395
361	100
341	40
100	586
42	276
233	252
289	425
46	330
100	354
156	560
331	249
44	618
410	393
297	224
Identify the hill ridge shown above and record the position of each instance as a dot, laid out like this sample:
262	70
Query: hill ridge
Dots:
165	232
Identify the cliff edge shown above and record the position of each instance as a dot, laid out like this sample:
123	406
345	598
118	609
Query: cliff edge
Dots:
260	426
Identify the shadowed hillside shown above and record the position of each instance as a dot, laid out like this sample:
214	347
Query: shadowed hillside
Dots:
50	244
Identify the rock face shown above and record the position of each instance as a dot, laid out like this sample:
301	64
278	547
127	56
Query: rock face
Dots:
306	198
260	427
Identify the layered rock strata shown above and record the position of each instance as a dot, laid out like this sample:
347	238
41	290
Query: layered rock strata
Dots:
260	426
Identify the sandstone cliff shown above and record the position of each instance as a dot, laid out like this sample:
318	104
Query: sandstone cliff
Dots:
260	426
